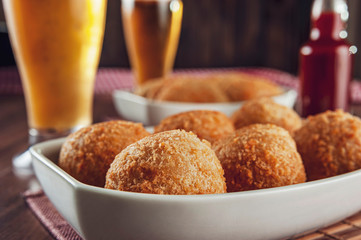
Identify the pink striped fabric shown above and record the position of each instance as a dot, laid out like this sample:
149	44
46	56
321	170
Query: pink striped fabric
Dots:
109	79
49	217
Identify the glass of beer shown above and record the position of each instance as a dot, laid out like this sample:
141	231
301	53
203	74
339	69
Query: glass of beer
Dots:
57	45
151	29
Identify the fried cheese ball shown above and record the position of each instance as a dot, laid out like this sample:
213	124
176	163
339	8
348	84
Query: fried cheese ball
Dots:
150	89
172	162
330	144
206	124
87	153
196	90
265	110
259	156
240	86
228	86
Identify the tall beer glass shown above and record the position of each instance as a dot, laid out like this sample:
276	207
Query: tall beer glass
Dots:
152	29
57	44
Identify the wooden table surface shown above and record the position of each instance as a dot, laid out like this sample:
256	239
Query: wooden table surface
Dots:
16	219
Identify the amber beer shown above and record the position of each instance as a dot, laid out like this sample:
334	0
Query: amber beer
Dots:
152	30
57	44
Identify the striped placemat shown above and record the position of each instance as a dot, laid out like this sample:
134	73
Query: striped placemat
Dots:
109	79
347	229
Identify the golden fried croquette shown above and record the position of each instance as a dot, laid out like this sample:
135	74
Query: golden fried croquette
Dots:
191	90
153	87
206	124
150	89
259	156
330	144
240	86
265	110
87	154
182	88
227	86
171	162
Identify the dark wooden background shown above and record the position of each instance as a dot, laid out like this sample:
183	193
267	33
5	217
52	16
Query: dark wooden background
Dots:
228	33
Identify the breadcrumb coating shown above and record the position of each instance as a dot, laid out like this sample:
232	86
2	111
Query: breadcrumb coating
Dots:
189	90
150	89
242	86
229	86
265	110
330	144
206	124
172	162
259	156
87	154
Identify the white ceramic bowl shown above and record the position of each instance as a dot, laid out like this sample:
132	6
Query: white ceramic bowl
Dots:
149	112
97	213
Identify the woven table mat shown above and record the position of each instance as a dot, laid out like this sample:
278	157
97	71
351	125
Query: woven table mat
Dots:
348	229
45	211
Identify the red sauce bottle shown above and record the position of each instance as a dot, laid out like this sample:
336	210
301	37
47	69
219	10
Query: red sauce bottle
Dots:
326	60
